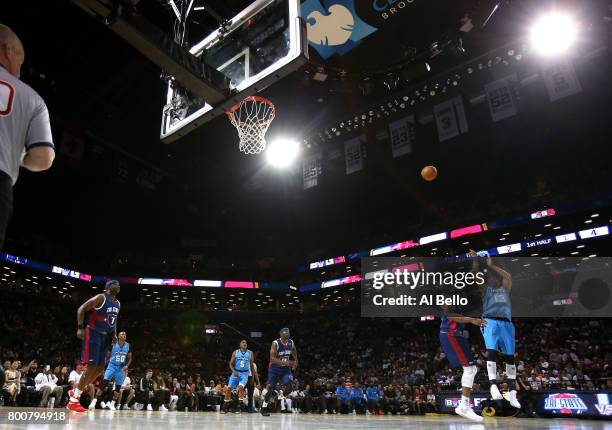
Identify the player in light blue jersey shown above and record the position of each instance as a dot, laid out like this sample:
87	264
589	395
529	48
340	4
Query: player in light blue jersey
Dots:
118	364
498	333
240	364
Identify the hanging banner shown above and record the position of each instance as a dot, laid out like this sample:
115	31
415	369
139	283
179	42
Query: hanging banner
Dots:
311	170
450	118
353	155
561	80
501	99
401	134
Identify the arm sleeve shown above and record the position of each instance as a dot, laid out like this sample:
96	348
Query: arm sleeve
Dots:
39	129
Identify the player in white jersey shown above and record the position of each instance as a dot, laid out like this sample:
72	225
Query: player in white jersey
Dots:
25	130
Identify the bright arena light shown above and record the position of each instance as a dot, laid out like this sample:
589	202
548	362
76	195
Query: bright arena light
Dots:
553	33
282	152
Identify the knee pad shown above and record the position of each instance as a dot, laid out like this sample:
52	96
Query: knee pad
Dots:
469	373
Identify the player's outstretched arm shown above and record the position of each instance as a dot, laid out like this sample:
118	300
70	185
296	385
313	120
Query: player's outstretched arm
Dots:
476	268
462	318
468	320
94	302
506	277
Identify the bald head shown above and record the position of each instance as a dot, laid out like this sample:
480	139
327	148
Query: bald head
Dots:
11	51
7	35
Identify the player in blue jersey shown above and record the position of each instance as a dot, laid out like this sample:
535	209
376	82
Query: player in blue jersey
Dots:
241	365
498	334
97	326
459	353
118	364
279	370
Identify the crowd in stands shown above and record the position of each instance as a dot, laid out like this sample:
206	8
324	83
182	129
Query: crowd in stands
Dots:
346	363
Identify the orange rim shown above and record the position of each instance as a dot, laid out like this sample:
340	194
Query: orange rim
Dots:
253	99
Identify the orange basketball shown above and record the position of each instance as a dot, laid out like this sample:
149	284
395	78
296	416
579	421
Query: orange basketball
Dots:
429	173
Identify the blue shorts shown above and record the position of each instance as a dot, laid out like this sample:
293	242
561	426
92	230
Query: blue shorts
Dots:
499	335
457	349
242	379
115	373
280	374
95	346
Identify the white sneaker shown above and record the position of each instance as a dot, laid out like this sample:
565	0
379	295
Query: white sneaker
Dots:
511	397
495	394
467	412
126	407
111	406
92	405
149	407
162	408
103	405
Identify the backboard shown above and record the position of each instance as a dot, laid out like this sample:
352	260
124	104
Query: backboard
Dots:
259	46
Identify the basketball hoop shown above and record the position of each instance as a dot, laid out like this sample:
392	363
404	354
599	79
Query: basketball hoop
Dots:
252	117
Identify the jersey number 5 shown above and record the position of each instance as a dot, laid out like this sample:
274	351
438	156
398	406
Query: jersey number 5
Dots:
7	94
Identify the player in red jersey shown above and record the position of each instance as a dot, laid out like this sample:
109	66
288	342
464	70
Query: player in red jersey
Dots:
97	326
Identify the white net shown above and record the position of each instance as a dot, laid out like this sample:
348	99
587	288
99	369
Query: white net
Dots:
252	117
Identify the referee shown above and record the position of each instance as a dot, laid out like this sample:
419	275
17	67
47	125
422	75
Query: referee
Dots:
25	131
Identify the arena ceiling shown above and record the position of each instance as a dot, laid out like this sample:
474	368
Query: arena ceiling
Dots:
203	188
